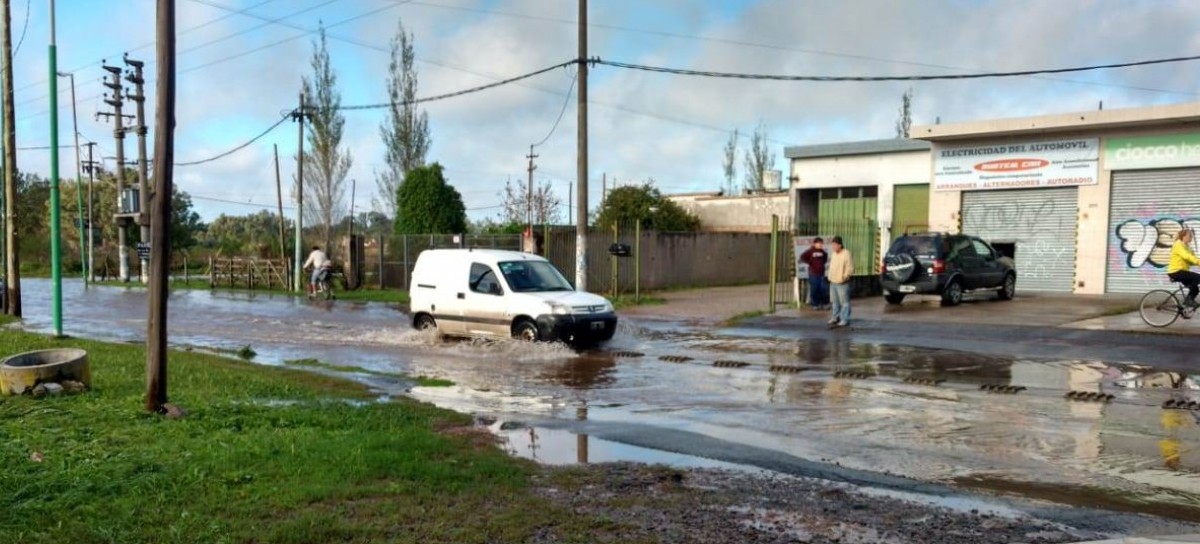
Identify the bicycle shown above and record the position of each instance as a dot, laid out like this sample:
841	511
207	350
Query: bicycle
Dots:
1160	307
324	286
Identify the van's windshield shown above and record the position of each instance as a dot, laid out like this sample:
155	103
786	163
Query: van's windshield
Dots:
533	277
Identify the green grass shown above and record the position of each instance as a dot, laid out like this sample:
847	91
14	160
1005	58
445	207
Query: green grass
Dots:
265	455
425	381
742	317
629	301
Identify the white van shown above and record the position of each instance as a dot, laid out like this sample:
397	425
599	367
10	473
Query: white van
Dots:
503	294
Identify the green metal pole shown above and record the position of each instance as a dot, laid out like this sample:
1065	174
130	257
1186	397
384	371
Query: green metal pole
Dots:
55	226
774	255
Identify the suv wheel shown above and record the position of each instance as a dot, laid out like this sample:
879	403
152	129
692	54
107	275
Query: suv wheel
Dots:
894	298
1009	288
953	294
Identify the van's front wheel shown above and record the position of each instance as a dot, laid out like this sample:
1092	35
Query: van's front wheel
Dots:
525	331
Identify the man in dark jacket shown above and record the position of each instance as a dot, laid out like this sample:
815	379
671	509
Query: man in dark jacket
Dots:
818	289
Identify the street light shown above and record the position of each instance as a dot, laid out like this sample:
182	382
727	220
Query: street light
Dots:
83	249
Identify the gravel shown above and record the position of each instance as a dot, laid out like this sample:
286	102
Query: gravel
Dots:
659	504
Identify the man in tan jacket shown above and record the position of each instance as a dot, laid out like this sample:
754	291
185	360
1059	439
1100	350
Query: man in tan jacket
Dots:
840	270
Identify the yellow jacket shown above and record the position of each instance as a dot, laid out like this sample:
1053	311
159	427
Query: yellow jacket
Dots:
1181	258
840	266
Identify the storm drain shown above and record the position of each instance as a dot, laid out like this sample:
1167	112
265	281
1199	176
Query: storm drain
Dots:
1181	405
1090	396
628	354
675	358
786	369
924	381
1000	388
731	364
851	375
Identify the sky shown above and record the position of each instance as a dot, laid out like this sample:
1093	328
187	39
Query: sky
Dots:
240	63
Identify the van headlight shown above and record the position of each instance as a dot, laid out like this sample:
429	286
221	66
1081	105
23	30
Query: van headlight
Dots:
559	309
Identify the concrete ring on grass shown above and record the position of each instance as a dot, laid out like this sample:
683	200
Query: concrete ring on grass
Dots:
22	372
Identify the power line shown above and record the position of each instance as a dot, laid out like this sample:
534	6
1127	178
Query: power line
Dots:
377	106
779	77
566	102
237	202
459	93
240	147
759	45
24	27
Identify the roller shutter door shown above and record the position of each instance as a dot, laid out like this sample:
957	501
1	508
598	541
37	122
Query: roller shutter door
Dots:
1148	207
1038	225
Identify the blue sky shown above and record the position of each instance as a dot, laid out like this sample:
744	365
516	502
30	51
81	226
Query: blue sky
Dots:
234	82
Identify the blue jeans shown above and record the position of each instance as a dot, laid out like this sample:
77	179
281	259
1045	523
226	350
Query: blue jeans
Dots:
841	301
818	290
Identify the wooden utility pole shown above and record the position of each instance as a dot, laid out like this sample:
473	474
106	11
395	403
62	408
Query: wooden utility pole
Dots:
279	196
12	276
581	166
78	180
160	216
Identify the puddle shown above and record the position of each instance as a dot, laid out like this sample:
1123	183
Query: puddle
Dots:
561	447
913	412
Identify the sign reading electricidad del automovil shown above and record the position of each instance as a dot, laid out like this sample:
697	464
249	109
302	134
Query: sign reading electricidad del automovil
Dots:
1022	165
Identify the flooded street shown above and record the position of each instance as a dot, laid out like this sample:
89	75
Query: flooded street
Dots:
858	409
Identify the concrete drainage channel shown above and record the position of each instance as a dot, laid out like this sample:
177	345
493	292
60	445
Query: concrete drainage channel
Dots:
993	388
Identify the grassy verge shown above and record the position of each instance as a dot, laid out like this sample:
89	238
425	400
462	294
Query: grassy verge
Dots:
390	296
264	455
742	317
629	301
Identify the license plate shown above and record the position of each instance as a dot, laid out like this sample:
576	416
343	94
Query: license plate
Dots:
908	288
597	325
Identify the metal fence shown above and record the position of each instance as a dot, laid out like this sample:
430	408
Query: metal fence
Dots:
388	261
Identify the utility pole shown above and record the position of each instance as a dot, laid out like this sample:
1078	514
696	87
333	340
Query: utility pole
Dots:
279	196
581	166
139	97
529	192
78	180
91	224
297	256
160	216
55	220
122	217
12	276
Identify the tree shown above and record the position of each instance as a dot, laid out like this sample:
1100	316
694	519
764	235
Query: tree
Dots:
515	200
325	181
759	159
731	162
186	225
405	132
645	204
246	235
426	204
904	122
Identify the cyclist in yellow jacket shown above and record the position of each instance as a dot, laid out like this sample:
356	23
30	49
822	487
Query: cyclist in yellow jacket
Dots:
1182	259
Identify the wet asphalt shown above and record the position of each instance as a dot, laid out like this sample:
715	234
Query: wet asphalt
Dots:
910	407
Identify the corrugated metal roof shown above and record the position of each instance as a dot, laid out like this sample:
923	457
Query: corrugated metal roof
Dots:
868	147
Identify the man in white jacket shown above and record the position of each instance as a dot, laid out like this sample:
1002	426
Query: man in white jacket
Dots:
320	263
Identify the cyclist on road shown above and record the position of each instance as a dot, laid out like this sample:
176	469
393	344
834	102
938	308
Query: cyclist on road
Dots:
320	264
1182	259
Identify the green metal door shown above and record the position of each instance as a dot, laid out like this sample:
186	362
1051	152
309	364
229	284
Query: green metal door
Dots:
910	209
854	219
